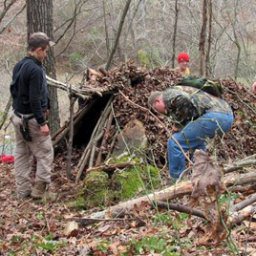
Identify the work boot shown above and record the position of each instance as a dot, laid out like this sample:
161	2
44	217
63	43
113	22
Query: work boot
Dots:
42	190
38	190
21	195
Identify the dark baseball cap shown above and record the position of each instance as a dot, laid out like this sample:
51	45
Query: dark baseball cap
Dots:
39	39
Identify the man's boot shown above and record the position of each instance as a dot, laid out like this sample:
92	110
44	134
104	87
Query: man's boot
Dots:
42	190
38	190
23	195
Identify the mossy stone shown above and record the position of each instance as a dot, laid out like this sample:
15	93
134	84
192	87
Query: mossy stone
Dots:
125	184
151	177
134	181
78	203
101	189
96	189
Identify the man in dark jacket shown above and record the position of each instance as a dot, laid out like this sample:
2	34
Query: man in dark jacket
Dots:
196	116
31	106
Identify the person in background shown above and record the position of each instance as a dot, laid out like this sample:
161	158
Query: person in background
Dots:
30	110
254	87
183	61
196	116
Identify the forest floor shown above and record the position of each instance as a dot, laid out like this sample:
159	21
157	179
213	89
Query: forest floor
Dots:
32	227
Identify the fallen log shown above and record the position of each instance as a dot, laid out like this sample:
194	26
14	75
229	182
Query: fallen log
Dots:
238	217
110	167
240	164
239	179
180	208
177	190
250	200
243	188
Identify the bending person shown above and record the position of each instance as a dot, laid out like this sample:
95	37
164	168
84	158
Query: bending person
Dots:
196	115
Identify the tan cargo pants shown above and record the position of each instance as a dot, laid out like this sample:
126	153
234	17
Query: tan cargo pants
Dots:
39	148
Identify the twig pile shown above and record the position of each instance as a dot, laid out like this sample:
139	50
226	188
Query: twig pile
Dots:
137	83
131	85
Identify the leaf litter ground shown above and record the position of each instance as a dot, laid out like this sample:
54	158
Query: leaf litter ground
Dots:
34	228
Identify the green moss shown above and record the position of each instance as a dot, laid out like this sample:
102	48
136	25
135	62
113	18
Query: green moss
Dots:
125	184
95	189
151	177
78	203
136	180
125	158
102	190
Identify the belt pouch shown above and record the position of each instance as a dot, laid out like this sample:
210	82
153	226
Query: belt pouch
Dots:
24	129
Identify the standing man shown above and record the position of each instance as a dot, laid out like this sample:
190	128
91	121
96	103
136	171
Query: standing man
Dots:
31	106
196	115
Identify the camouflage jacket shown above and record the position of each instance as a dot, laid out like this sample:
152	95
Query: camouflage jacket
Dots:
185	104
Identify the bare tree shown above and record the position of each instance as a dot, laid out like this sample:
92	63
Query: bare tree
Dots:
40	18
209	41
130	28
106	27
236	40
175	27
6	6
126	8
202	40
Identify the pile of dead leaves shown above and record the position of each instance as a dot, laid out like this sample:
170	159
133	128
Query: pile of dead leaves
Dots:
133	85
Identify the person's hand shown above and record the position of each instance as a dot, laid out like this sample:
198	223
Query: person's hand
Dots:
254	87
175	129
45	130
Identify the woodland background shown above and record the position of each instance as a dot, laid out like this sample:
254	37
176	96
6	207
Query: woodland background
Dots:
153	33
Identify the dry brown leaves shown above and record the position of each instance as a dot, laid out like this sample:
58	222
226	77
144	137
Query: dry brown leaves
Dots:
136	83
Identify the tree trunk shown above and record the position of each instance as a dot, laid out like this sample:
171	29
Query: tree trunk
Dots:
236	41
126	8
207	60
175	33
203	38
40	18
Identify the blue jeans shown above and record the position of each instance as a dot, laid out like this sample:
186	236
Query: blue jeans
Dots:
193	136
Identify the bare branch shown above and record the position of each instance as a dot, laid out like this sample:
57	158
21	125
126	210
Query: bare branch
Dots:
14	17
6	9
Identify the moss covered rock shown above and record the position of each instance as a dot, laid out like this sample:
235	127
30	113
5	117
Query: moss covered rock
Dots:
78	203
133	181
96	189
151	177
125	184
100	189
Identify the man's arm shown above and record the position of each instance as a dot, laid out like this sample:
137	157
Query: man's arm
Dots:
35	90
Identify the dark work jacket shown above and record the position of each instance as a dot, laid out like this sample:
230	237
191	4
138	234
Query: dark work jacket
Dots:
31	94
